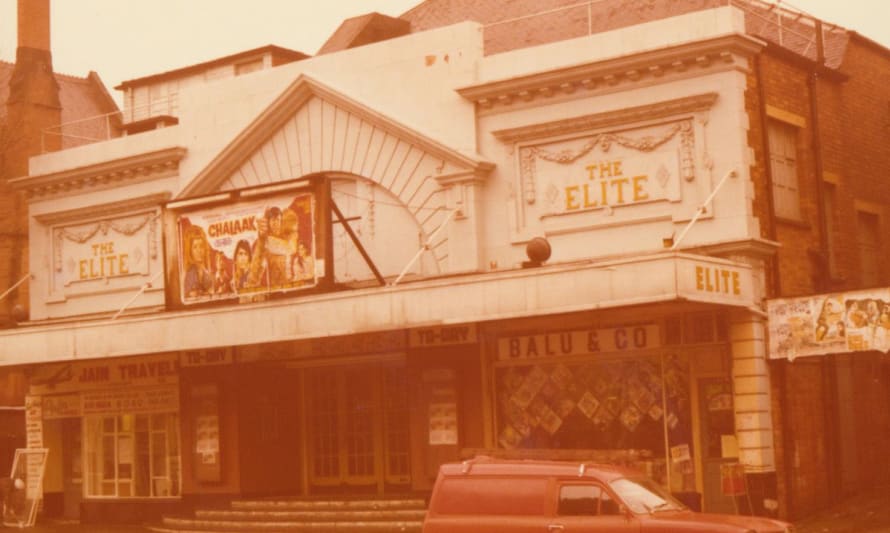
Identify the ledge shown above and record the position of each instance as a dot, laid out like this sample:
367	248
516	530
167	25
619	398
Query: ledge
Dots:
143	167
720	51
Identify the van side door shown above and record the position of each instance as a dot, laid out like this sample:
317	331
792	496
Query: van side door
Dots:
489	504
587	507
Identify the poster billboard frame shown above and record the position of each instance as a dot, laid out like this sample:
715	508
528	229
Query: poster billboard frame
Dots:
254	211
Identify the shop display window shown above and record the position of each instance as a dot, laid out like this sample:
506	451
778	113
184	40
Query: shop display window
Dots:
632	410
132	455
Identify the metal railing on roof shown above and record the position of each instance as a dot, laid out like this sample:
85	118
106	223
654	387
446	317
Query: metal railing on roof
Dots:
781	23
103	127
792	27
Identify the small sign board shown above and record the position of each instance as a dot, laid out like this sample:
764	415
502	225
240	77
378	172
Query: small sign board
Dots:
26	489
732	479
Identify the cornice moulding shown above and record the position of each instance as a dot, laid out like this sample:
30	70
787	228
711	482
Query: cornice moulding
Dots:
470	176
142	167
104	210
610	72
756	247
689	104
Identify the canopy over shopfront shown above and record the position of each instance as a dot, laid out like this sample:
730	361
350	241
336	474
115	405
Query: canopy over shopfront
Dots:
829	323
553	289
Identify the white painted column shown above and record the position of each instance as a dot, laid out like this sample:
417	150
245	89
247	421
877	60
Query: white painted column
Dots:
463	197
751	384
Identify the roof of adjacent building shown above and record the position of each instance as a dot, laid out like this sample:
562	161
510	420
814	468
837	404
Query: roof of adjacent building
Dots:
82	99
280	56
364	29
524	23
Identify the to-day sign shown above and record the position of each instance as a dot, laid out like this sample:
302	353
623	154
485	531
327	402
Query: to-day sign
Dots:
579	342
442	335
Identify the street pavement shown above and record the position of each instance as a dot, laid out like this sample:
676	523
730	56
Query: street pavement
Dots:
864	513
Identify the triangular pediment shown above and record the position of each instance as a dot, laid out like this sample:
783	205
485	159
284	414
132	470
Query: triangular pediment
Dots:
312	128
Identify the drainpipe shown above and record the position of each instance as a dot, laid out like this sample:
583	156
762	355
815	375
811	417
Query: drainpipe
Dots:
767	170
823	281
781	367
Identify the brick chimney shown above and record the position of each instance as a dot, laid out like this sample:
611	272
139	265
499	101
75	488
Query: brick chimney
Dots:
32	83
33	105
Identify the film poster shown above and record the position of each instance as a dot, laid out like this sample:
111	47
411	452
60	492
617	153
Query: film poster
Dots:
249	248
830	323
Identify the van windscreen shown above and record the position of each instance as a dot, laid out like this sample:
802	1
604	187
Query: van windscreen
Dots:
477	495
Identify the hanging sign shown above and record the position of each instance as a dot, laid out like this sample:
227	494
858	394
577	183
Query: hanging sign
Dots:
830	323
33	422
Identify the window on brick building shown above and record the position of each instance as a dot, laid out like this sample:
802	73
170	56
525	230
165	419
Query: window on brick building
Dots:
783	164
248	66
868	231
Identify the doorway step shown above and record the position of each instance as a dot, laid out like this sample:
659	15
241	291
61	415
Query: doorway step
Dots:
318	516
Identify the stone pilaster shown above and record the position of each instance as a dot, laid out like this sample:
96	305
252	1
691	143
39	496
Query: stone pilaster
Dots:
750	375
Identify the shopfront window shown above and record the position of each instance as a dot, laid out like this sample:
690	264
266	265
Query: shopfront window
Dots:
132	455
629	409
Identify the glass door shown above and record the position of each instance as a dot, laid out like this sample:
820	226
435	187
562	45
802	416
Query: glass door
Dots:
358	425
719	447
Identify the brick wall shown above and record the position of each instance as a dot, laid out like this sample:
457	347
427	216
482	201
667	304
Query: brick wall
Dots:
16	147
853	127
863	126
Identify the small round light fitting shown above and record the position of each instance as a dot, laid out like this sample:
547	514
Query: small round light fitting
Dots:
538	250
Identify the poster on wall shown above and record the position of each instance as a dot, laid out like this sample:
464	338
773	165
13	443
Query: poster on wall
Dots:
829	323
443	423
249	248
593	405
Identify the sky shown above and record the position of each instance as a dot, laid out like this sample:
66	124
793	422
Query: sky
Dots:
127	39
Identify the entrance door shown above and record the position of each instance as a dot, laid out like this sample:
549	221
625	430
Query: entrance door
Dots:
358	425
72	467
717	426
270	436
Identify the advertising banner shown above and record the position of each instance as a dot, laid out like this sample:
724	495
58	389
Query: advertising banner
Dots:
105	373
830	323
579	342
252	247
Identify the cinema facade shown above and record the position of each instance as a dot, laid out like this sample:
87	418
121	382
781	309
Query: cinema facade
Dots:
329	277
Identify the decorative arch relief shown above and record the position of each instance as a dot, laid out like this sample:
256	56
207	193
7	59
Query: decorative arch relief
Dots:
327	135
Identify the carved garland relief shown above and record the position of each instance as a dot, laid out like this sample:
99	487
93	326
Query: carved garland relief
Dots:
100	231
528	155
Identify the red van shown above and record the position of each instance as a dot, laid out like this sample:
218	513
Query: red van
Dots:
510	496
